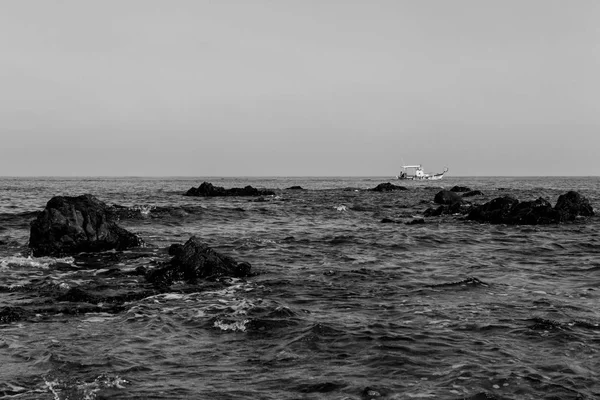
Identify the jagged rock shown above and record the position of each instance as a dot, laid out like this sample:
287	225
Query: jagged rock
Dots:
472	193
508	210
447	197
494	211
207	189
71	225
572	204
195	260
387	187
460	189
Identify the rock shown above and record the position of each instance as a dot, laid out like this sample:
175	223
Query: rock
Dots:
71	225
387	187
472	193
572	204
387	221
534	212
11	314
455	208
207	189
195	260
508	210
295	188
495	211
460	189
447	197
77	295
416	221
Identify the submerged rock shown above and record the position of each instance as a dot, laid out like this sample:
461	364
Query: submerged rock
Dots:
387	187
207	189
508	210
296	187
70	225
472	193
195	260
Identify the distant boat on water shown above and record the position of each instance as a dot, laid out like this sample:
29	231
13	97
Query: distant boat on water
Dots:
416	173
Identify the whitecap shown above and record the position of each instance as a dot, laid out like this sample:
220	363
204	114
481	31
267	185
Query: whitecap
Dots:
236	326
34	262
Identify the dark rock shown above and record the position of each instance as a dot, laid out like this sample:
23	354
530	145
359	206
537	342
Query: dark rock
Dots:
416	221
387	187
472	193
71	225
175	249
534	212
495	211
207	189
195	260
295	188
508	210
141	270
434	212
447	197
10	314
460	189
454	208
572	204
387	221
77	295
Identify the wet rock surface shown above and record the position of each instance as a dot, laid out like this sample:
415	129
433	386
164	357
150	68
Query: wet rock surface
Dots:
196	260
387	187
509	210
70	225
207	189
447	197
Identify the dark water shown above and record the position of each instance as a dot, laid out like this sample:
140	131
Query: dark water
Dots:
343	307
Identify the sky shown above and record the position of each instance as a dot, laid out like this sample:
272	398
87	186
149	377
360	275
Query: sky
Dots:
299	87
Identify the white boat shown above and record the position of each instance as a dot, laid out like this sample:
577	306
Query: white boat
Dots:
416	173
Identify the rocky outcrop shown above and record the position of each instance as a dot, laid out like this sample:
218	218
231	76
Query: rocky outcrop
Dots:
508	210
571	205
195	260
387	187
458	189
207	189
472	193
447	197
70	225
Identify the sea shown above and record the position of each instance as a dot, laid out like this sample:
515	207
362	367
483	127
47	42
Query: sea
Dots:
339	306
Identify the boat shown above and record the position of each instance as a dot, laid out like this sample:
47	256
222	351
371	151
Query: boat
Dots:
416	173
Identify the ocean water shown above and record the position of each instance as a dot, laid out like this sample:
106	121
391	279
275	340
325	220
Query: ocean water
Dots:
342	306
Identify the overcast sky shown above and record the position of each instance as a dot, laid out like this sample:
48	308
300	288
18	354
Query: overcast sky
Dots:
299	87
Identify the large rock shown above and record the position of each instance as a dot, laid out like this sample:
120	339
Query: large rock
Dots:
387	187
508	210
572	204
195	260
447	197
207	189
71	225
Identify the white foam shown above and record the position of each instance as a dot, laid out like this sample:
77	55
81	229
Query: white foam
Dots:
34	262
236	326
